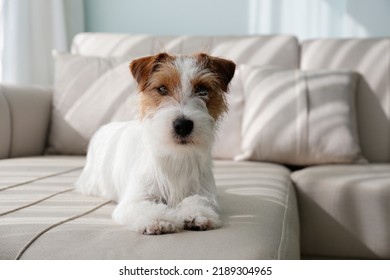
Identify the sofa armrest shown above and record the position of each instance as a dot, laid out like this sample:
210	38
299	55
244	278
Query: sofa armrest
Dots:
24	120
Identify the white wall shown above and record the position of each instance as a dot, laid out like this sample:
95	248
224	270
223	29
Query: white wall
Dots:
167	17
321	18
303	18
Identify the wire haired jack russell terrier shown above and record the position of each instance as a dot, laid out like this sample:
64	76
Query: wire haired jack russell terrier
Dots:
159	168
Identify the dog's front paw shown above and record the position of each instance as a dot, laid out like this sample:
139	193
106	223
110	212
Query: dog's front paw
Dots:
201	223
199	213
159	227
147	217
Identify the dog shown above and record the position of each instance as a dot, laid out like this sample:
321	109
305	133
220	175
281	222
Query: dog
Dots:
159	168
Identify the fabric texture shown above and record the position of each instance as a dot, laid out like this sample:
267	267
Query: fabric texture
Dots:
299	117
280	50
24	120
42	217
371	59
88	92
344	210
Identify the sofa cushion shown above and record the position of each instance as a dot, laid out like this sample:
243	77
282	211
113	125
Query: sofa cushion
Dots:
24	114
299	117
88	92
42	217
344	210
369	57
280	50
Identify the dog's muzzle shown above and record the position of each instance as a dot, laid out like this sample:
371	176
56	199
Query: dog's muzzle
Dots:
183	127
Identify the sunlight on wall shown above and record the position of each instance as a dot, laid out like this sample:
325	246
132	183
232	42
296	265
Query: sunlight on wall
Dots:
303	18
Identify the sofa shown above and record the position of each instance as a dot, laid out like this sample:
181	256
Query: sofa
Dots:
301	160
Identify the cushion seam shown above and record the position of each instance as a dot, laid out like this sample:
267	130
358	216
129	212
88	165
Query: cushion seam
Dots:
35	202
10	121
282	237
36	237
41	178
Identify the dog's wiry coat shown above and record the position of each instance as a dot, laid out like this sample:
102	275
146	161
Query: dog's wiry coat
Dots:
158	168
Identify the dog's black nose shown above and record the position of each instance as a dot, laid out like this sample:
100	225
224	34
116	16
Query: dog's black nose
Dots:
183	127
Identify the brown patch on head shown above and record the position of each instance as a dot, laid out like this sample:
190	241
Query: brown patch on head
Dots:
142	68
223	68
152	74
218	73
215	99
159	81
217	105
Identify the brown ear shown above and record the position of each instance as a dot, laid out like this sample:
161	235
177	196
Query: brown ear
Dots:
224	68
142	68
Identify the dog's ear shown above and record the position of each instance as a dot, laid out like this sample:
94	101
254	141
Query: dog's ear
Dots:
224	68
143	67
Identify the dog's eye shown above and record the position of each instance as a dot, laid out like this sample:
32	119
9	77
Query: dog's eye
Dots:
162	90
201	91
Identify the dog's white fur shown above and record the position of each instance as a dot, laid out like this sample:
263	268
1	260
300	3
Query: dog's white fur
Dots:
161	186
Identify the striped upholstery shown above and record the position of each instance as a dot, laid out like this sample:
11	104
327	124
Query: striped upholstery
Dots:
42	217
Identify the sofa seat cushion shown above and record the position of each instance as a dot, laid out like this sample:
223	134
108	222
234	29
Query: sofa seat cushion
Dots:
345	210
42	217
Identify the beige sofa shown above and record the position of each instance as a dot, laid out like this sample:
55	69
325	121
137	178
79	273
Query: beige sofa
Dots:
280	198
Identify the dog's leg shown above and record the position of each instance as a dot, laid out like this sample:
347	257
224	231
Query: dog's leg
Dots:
199	213
147	217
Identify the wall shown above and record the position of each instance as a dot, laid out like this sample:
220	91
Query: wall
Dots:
168	17
303	18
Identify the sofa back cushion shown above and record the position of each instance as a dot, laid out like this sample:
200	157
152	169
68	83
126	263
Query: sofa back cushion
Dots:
93	86
299	117
88	92
370	58
279	50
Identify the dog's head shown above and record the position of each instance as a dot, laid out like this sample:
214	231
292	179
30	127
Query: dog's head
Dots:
182	97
